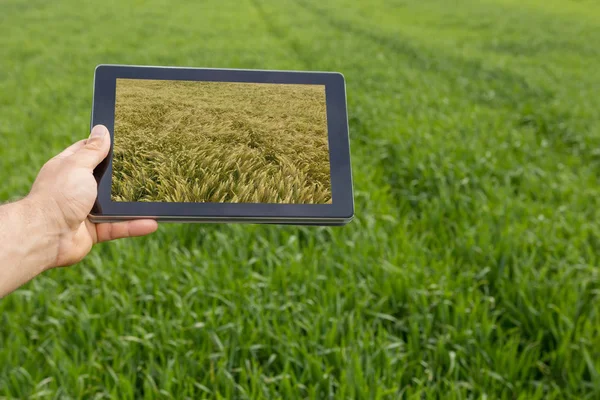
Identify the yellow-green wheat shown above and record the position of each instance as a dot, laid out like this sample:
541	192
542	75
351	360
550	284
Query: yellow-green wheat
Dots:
180	141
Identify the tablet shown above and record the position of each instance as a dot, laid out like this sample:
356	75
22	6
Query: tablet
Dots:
222	145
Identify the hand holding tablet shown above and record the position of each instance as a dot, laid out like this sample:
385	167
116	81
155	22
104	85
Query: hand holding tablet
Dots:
216	145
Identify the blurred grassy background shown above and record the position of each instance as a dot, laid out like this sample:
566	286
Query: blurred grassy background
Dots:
470	270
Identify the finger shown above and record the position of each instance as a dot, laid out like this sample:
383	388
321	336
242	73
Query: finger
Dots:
119	230
72	149
95	149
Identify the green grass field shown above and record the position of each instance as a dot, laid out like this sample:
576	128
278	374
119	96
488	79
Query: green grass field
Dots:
220	142
470	271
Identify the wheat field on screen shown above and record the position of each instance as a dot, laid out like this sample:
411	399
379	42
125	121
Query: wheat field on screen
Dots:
186	141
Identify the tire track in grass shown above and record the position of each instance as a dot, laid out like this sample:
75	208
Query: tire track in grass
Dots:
391	156
492	87
306	59
402	177
502	82
535	107
388	171
278	32
377	141
359	130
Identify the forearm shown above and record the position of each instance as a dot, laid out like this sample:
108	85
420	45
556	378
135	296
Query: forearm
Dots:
27	247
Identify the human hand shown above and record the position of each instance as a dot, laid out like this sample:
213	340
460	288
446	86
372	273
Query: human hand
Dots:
65	191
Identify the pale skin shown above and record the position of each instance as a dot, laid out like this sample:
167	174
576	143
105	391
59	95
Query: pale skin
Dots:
50	227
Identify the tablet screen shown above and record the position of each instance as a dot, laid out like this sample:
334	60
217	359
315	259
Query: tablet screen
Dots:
220	142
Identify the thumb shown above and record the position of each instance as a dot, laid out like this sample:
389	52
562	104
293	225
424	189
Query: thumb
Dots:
95	149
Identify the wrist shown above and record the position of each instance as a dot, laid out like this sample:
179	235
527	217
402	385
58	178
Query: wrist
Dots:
43	228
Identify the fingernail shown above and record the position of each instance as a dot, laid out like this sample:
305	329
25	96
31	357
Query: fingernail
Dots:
99	131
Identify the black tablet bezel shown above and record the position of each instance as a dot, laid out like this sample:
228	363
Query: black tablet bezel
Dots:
342	205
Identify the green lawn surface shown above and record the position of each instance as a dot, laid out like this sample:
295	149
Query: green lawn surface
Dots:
470	270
